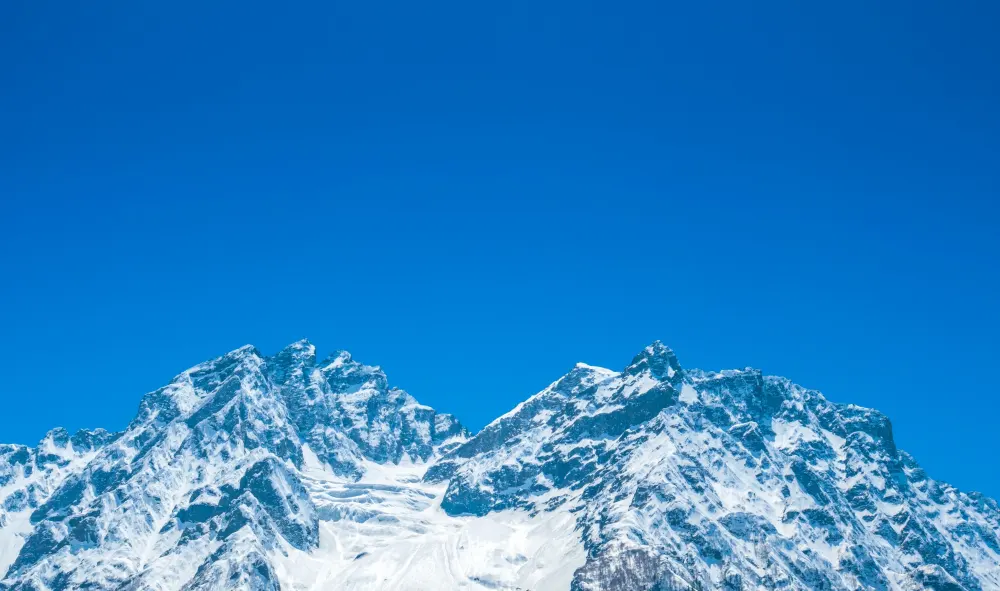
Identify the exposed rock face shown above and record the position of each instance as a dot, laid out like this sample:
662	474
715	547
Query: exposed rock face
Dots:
204	485
284	472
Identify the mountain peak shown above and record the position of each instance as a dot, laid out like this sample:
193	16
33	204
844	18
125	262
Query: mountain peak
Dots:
338	358
658	359
341	365
58	437
243	351
301	351
657	349
301	345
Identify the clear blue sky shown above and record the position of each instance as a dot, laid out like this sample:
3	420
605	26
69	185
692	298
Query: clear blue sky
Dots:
476	197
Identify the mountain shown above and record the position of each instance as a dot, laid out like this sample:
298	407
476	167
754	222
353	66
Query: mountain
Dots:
256	472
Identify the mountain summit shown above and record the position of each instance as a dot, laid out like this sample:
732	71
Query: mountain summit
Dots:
253	472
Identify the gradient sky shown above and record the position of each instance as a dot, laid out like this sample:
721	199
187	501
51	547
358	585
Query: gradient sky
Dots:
478	196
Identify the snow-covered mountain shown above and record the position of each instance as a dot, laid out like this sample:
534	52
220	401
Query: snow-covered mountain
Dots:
285	472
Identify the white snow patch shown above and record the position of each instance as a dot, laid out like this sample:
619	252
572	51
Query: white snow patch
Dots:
389	532
688	394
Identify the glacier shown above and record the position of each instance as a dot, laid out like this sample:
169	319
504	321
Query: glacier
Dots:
255	472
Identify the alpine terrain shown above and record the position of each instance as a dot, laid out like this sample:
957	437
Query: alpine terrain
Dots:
254	472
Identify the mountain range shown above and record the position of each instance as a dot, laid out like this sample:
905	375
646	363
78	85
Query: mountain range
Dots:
255	472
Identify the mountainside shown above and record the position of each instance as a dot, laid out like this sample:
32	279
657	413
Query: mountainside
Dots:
285	472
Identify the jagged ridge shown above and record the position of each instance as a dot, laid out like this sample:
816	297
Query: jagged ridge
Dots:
254	472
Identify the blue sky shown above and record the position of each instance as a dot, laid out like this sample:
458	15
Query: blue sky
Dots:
477	197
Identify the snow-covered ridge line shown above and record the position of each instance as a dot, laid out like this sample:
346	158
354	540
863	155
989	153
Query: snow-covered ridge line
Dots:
287	472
